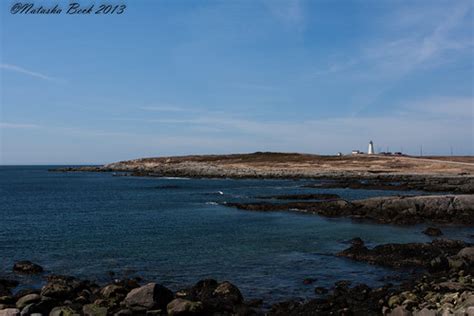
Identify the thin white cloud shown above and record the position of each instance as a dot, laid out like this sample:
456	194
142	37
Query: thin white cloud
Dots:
164	108
26	72
17	125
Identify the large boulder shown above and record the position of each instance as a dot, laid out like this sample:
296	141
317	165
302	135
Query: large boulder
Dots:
94	310
113	291
467	253
180	306
10	312
228	294
148	297
216	297
28	299
27	267
63	287
62	311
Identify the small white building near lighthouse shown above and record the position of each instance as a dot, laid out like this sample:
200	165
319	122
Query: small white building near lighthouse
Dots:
371	148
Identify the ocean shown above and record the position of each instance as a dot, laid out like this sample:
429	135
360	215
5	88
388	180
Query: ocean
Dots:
174	231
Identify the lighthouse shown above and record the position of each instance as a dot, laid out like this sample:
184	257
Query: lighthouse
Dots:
371	148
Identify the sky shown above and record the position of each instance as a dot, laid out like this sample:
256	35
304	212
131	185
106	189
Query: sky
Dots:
171	77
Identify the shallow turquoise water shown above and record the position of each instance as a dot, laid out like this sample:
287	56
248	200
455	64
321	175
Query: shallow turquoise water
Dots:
172	231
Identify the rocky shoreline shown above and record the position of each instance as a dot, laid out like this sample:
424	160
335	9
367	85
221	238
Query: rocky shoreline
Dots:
453	209
444	286
356	172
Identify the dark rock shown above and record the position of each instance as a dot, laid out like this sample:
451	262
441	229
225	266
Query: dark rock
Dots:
320	196
356	242
433	231
124	312
438	264
309	281
320	290
215	296
404	255
63	287
27	267
405	210
148	297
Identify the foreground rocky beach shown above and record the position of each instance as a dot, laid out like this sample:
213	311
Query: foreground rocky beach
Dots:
441	283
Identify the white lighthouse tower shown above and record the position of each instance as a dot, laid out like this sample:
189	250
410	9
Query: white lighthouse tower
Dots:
371	148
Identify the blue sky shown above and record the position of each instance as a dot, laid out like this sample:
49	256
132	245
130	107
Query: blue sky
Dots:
196	77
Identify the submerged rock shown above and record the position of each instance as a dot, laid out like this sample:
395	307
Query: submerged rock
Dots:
27	267
433	231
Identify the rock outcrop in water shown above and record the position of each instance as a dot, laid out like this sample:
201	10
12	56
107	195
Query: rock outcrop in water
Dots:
406	255
27	267
457	209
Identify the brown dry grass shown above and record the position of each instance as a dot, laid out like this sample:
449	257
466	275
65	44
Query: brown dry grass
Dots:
265	161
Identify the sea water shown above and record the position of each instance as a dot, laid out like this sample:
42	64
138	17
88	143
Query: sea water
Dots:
175	232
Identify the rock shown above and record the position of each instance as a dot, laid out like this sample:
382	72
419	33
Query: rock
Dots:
7	300
438	264
154	312
467	253
433	231
357	242
148	297
27	267
94	310
320	290
215	297
425	312
113	291
44	306
181	306
27	310
58	291
320	196
308	281
63	287
400	311
228	293
4	291
27	299
124	312
10	312
470	311
404	255
450	286
62	311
